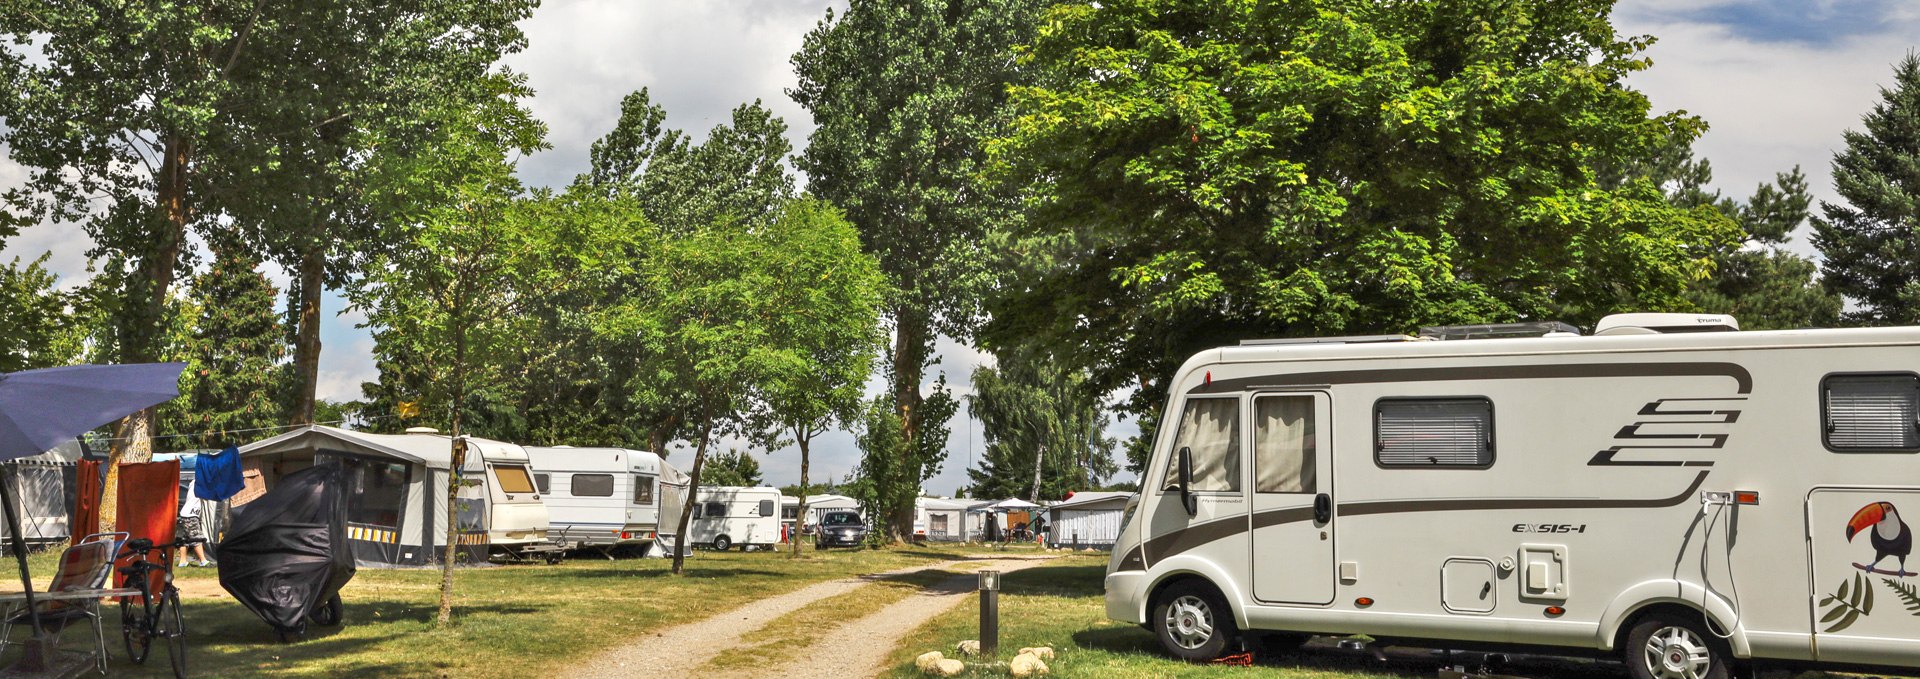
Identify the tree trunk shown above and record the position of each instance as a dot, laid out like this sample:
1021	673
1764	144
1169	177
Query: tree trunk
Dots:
1039	455
306	344
133	435
453	472
683	541
909	368
800	517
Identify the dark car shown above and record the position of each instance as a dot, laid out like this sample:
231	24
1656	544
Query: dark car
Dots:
842	528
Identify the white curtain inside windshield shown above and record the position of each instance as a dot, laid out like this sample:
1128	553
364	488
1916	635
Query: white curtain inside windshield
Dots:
1210	427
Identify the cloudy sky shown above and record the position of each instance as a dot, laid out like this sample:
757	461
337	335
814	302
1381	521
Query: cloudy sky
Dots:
1778	81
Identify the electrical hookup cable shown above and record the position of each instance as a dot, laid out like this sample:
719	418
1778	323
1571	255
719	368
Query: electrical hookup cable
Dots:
1706	584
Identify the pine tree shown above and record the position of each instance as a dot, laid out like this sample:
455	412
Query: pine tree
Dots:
1759	281
236	353
1872	243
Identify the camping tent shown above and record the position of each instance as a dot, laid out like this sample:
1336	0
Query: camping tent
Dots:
1088	519
396	488
944	519
46	487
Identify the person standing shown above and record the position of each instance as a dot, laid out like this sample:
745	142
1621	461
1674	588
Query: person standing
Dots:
190	526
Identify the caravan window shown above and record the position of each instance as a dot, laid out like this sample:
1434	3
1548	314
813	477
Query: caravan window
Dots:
376	491
592	485
715	510
513	478
1210	427
1433	432
1867	413
542	481
642	490
766	508
1283	444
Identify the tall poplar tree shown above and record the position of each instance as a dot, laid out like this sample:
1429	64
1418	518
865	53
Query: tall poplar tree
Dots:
905	94
1871	243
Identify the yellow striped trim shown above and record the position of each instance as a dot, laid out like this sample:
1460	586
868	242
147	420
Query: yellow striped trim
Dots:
473	539
368	534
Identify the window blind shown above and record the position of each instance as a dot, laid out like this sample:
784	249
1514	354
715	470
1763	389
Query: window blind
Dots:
1873	412
1434	433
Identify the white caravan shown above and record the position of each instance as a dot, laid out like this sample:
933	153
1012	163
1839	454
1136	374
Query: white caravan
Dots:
1688	501
733	515
608	497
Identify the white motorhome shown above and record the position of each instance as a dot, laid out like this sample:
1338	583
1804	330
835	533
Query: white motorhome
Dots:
1688	501
726	516
607	498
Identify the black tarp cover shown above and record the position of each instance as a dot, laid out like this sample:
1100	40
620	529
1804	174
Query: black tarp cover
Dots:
286	553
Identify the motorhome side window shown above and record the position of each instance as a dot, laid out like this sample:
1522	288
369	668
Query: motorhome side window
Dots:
541	481
592	485
1867	413
1433	432
1283	444
642	490
766	508
1210	427
715	510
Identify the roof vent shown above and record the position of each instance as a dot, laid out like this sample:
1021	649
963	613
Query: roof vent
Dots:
422	430
1499	331
1649	324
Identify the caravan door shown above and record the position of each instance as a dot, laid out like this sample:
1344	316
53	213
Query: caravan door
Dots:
1860	544
1291	498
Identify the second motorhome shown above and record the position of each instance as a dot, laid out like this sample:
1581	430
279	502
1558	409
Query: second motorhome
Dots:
746	517
1687	501
609	498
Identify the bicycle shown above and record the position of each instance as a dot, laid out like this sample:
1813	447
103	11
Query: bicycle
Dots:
154	615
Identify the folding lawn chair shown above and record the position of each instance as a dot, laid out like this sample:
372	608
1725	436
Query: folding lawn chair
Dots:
84	569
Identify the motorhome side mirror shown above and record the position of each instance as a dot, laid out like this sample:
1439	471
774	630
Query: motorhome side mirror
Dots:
1187	500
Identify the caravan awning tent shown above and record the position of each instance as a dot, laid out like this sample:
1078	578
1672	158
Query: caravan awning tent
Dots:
1088	519
45	493
396	486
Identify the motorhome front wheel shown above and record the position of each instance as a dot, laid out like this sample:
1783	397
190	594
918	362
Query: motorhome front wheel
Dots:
1193	622
1671	647
722	543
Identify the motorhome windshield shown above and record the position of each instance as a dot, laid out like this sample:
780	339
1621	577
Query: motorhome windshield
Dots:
513	478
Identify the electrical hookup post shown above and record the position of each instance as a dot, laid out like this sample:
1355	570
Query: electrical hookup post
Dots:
989	613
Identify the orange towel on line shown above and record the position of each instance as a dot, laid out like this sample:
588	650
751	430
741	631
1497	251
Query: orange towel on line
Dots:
149	504
86	500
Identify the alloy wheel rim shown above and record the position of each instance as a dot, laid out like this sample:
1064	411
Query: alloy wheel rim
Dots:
1190	622
1677	653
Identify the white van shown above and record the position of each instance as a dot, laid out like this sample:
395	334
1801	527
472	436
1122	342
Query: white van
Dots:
726	516
1691	501
605	498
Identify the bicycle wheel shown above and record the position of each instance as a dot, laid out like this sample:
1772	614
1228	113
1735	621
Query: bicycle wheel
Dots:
329	613
134	630
176	631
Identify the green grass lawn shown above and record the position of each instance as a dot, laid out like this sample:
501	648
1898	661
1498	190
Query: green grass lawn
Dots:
1060	604
521	620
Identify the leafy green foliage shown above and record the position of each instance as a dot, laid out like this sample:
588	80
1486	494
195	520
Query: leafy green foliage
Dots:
1043	426
1871	243
904	94
737	172
1853	600
893	467
733	468
1204	172
35	312
234	356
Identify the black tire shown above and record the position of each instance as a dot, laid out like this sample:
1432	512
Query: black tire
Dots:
175	633
722	543
1666	646
330	613
133	630
1193	622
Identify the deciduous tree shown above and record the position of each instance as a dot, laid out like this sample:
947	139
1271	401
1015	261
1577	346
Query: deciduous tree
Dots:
1045	429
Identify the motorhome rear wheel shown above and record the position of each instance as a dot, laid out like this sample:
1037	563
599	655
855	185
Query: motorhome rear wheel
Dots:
1193	622
1666	646
722	543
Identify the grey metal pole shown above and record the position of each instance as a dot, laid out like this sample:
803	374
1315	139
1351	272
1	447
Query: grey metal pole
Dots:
19	545
989	612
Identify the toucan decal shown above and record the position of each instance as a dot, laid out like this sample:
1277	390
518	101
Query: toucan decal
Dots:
1887	533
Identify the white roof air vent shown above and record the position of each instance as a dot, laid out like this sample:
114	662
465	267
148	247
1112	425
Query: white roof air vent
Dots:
422	430
1648	324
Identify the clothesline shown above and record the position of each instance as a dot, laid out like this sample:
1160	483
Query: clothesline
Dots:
224	432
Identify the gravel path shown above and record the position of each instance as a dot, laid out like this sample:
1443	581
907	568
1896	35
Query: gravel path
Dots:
676	651
875	636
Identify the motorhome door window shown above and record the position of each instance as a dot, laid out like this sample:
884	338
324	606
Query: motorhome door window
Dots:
1433	432
592	485
642	490
1211	428
1876	412
1283	445
513	478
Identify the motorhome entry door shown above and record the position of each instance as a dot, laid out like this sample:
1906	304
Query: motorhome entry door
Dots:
1291	498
